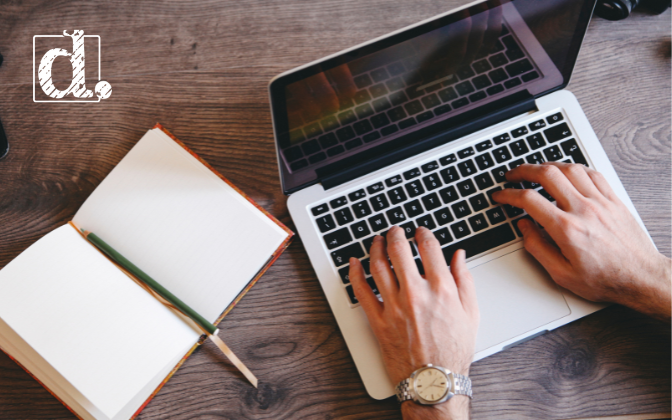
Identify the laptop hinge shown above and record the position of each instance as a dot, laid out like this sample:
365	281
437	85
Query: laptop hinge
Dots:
406	146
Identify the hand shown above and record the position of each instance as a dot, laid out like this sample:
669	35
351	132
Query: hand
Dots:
423	319
592	245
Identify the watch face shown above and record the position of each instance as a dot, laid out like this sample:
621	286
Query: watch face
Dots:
431	384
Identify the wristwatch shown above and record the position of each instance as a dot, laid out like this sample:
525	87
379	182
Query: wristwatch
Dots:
433	385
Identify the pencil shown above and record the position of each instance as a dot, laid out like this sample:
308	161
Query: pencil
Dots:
207	327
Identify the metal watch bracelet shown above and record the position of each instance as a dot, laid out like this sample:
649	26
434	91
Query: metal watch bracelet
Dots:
462	387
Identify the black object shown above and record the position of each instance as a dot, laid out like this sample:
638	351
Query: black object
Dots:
4	144
621	9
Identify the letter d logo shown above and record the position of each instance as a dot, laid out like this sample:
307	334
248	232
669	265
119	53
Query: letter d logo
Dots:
77	58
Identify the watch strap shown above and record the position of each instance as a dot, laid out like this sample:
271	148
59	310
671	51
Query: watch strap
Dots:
403	390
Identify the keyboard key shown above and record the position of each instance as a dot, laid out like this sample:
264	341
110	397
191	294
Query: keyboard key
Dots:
343	216
536	141
377	223
448	94
529	76
447	160
519	67
431	201
337	238
362	127
449	175
432	181
364	111
553	153
430	166
478	202
317	158
535	158
363	81
379	120
351	294
512	211
477	96
498	60
465	72
335	150
428	115
397	195
481	82
493	90
492	191
414	188
460	230
375	188
460	103
368	242
396	215
482	242
361	209
379	202
499	174
555	118
443	216
467	168
466	187
391	182
464	88
360	229
352	144
357	195
557	132
498	75
482	66
413	173
396	114
520	131
501	138
347	117
516	163
413	208
502	154
396	69
317	210
465	153
413	107
396	84
343	255
379	74
478	222
483	146
449	194
495	215
366	265
443	235
409	229
345	274
572	149
426	221
483	181
461	209
338	202
413	250
513	185
537	125
325	223
530	185
484	161
430	101
519	147
378	90
398	98
421	268
328	140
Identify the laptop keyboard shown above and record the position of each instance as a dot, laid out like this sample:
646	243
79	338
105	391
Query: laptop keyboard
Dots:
451	196
389	101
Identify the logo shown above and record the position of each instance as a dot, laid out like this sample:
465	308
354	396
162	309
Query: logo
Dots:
77	88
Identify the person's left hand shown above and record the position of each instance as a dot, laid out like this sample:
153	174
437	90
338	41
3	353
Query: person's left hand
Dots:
422	319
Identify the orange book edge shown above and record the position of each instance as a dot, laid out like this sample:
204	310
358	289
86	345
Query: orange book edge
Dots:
228	309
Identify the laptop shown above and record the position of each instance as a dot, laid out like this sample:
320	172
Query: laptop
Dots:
417	128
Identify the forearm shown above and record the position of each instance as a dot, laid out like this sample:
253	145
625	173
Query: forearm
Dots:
457	408
651	293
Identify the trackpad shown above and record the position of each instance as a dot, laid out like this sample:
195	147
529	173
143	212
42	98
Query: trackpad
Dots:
515	295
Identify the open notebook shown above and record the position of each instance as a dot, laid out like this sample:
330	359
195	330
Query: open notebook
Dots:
94	338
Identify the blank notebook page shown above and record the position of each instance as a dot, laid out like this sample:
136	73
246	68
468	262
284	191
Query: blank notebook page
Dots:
102	332
180	223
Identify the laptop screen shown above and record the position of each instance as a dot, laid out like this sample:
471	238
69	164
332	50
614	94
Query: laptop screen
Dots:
339	107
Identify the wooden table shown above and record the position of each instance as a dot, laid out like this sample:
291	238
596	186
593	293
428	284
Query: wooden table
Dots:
201	68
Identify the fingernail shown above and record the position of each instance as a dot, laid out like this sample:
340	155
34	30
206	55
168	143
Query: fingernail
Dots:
421	228
523	225
377	238
353	260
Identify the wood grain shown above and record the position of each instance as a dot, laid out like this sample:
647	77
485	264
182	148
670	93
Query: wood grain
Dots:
201	68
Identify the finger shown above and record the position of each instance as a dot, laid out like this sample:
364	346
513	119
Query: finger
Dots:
401	256
433	260
342	78
381	271
541	210
370	303
551	178
323	94
478	27
464	283
548	254
494	29
577	175
602	185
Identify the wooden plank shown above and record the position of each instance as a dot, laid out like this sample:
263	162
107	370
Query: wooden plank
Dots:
208	86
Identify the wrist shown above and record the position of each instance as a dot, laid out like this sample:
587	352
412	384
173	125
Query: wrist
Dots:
456	408
650	290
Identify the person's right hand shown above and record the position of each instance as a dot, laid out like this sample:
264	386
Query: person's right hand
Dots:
591	245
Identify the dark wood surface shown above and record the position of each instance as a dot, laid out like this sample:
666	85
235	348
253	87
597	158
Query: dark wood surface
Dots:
201	68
